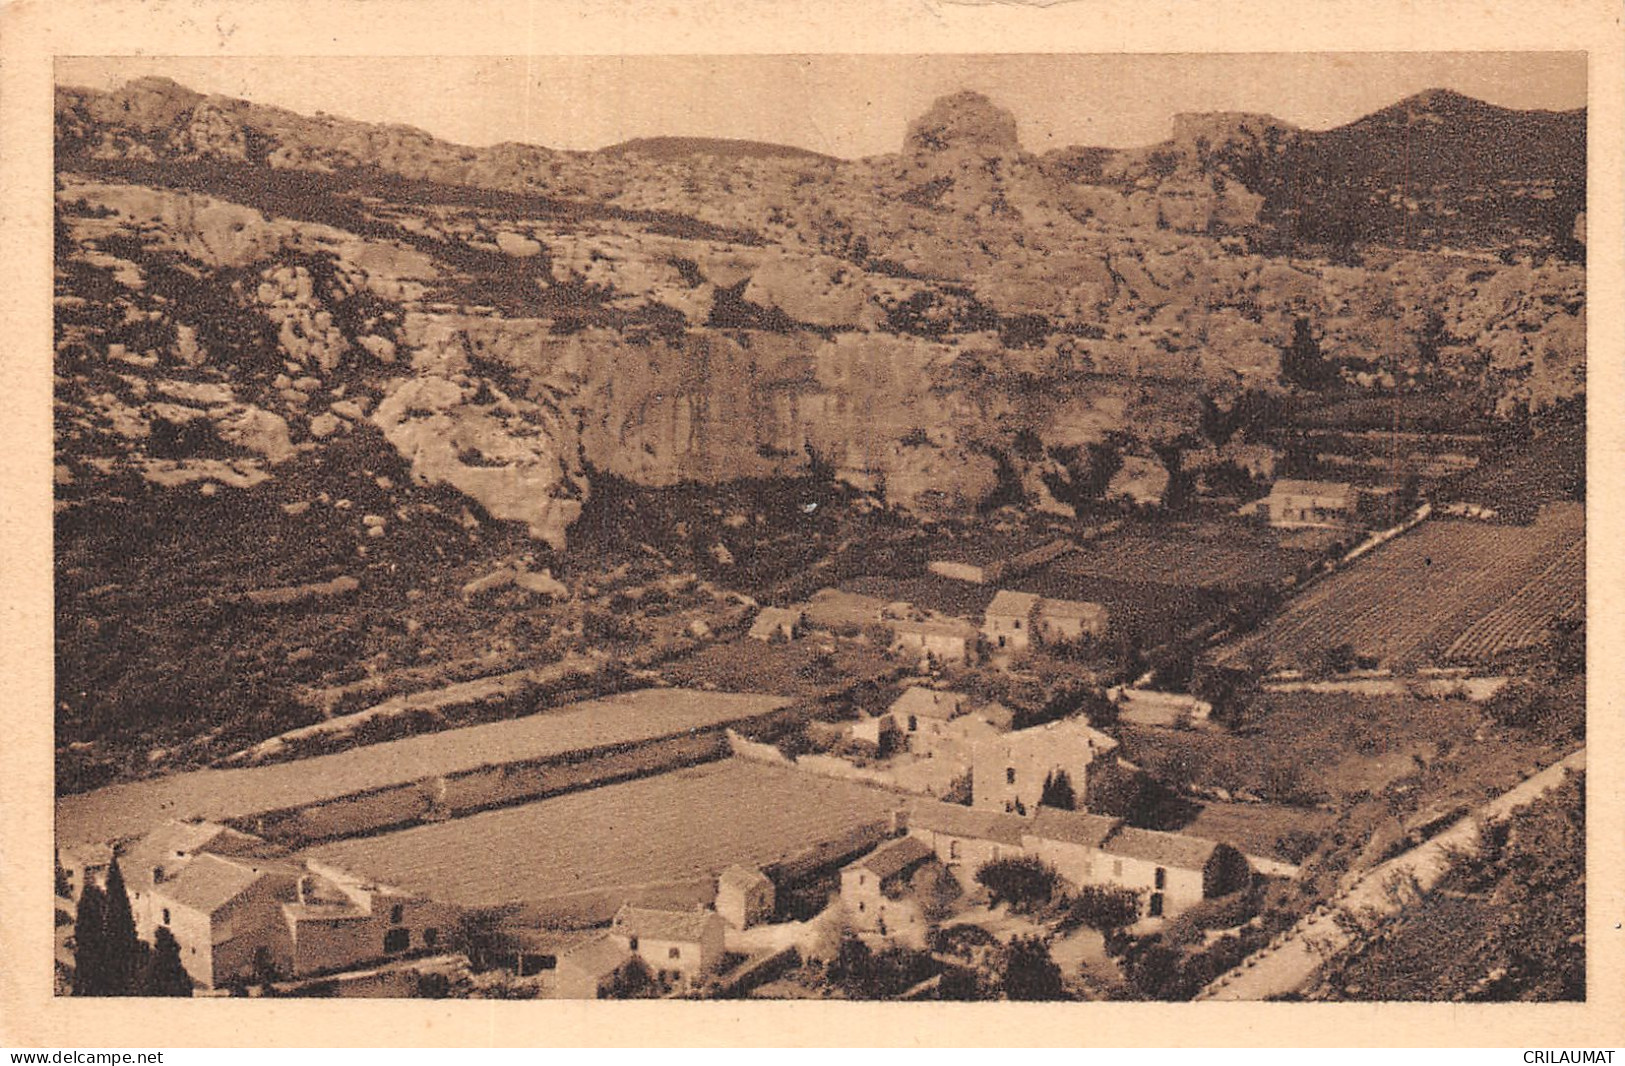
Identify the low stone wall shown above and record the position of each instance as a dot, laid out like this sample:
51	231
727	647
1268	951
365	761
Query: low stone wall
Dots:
430	799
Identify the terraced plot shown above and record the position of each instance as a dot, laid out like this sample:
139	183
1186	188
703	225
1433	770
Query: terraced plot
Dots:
667	829
1451	591
1239	557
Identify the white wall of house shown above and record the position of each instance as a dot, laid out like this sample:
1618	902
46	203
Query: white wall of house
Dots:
1008	633
1177	889
1078	863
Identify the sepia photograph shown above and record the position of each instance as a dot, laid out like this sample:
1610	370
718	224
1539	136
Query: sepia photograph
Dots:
961	527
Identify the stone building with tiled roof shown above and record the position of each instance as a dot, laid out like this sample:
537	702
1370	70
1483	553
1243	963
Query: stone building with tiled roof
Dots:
678	946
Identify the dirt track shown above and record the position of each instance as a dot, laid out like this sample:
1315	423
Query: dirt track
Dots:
1292	959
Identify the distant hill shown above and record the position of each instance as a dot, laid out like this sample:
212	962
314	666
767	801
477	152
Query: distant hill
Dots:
1434	170
665	149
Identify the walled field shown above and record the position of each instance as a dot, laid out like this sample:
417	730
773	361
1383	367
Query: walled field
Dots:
1457	591
670	829
624	721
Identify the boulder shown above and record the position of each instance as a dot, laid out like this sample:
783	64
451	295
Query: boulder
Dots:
517	245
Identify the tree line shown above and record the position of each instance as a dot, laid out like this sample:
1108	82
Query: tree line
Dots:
110	959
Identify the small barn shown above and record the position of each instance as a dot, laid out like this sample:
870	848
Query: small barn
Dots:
1008	621
745	896
778	624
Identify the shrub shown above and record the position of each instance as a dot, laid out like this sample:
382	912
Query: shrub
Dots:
1030	973
1226	870
1102	908
1296	845
1058	792
1023	882
632	980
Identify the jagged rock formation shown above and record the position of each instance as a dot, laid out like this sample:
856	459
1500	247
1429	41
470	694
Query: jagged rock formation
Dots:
901	320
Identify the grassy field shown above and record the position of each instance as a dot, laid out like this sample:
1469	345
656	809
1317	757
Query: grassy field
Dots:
1458	590
1308	746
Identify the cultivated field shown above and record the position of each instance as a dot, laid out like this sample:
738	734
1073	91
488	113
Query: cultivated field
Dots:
667	829
1522	621
1458	591
1225	556
1329	747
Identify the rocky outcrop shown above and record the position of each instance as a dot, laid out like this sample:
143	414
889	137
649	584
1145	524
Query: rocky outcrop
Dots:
514	458
965	120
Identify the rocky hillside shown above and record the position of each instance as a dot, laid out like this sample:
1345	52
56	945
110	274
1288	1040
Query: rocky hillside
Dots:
695	316
326	346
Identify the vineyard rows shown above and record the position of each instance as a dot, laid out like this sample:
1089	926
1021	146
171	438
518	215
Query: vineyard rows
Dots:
1451	590
1525	619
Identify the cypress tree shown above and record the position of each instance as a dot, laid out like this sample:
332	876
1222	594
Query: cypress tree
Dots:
1226	870
1058	792
89	954
123	950
164	974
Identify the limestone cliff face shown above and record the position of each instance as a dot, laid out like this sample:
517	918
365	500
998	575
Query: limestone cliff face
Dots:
902	322
513	457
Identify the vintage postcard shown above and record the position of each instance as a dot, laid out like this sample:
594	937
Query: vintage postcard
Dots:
752	527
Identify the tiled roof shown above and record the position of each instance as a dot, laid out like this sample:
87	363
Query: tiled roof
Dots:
1065	728
597	957
936	627
209	882
1073	609
1165	849
1070	827
743	877
968	823
1337	491
686	926
1010	604
324	912
175	843
897	857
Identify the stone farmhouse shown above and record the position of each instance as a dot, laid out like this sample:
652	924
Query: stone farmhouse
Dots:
778	624
242	908
1164	869
679	947
1294	503
1015	620
1008	621
1008	771
941	639
876	891
922	715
